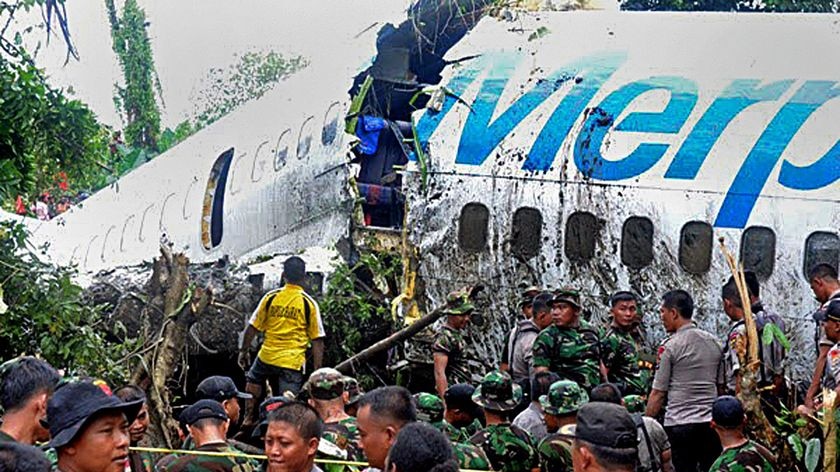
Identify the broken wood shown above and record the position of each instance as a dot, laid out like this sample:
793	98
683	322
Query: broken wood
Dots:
750	362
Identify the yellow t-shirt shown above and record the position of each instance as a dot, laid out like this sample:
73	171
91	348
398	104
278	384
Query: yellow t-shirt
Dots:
287	333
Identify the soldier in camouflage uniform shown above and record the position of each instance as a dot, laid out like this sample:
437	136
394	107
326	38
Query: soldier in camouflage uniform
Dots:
430	410
509	448
449	345
327	395
560	407
354	394
208	423
461	411
570	347
739	453
627	357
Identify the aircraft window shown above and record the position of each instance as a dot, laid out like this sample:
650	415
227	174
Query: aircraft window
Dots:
472	227
305	138
527	232
758	250
582	230
259	162
821	247
637	242
105	243
282	151
122	236
212	211
330	130
696	247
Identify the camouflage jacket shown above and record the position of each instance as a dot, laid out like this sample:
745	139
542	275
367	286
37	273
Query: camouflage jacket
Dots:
571	353
345	435
555	453
451	342
198	463
509	448
627	360
141	461
748	457
454	434
471	457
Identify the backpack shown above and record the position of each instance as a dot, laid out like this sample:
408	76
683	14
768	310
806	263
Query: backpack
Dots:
642	432
772	355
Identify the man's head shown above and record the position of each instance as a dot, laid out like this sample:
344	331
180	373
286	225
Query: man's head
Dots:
676	310
541	383
206	420
458	309
624	309
526	300
294	271
497	393
542	310
19	457
565	307
223	390
753	286
832	321
420	447
561	404
605	439
382	413
429	407
728	415
138	428
823	280
607	393
461	410
354	394
326	389
89	427
26	384
292	437
732	304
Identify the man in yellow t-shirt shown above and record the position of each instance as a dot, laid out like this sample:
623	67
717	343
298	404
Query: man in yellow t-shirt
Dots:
291	321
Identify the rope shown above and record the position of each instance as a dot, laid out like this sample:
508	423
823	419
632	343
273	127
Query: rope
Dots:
163	450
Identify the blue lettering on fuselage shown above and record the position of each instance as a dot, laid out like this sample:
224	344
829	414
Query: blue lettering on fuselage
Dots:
581	80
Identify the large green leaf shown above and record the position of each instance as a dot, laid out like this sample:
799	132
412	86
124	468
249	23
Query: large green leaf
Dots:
812	454
796	443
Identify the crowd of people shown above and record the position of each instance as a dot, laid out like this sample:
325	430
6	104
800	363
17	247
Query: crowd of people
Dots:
566	396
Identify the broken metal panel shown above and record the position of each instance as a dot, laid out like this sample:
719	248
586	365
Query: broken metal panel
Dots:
629	116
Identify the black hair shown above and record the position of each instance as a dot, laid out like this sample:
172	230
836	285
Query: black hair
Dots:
622	296
730	292
294	270
606	392
300	415
205	423
541	384
420	447
392	402
542	302
611	457
22	458
130	393
681	301
23	378
823	271
752	283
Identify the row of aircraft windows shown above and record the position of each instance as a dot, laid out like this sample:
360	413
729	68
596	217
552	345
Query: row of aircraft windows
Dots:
758	243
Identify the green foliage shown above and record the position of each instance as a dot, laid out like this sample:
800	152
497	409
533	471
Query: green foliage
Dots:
254	74
137	98
47	316
42	133
356	308
771	331
812	454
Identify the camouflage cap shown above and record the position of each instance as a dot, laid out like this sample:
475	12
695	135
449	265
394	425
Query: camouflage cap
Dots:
325	384
635	403
567	295
564	397
526	297
351	386
458	303
429	407
498	392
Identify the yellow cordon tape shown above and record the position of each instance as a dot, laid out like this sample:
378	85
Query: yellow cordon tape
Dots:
161	450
